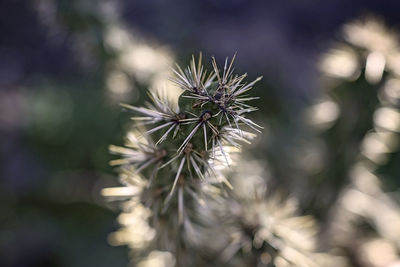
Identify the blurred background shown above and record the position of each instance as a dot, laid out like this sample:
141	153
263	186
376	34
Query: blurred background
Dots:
65	65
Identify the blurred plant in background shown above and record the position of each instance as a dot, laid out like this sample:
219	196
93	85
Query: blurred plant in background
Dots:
366	217
58	120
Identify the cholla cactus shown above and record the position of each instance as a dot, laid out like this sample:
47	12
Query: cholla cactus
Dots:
175	152
259	228
374	51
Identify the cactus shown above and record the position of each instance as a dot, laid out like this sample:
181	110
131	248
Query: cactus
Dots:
175	152
372	82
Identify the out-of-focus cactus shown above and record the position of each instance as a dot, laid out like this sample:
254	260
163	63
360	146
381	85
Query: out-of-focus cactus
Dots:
365	221
259	227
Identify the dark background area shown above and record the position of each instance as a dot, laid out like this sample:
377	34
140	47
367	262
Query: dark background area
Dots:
56	119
